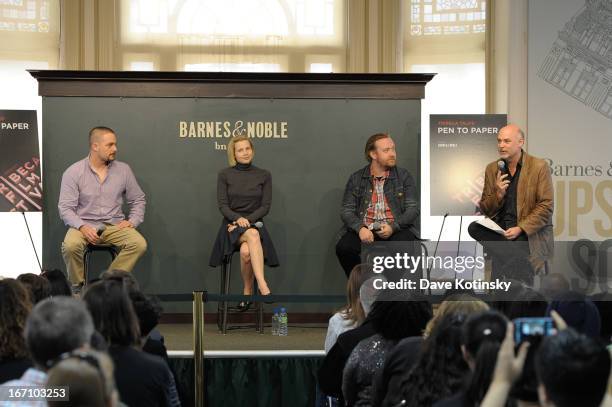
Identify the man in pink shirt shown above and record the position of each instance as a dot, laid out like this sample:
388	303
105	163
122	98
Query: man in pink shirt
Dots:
91	196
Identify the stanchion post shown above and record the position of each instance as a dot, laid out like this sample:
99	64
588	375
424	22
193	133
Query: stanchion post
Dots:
198	346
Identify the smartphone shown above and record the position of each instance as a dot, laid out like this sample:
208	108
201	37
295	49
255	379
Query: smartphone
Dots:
526	329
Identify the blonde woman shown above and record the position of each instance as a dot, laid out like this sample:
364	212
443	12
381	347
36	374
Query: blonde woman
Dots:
244	196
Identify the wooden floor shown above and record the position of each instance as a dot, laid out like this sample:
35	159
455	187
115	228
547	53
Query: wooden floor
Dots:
311	337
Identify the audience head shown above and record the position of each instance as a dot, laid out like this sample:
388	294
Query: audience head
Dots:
440	368
573	370
481	339
399	319
554	284
58	283
578	312
455	304
112	312
88	375
15	306
525	303
148	310
55	326
128	278
353	310
37	286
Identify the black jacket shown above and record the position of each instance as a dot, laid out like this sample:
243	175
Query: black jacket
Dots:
400	191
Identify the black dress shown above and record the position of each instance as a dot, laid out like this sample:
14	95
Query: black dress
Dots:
243	191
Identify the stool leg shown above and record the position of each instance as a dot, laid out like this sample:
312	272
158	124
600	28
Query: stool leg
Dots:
220	303
226	289
258	311
86	266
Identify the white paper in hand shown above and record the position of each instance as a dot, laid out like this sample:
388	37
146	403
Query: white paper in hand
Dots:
489	224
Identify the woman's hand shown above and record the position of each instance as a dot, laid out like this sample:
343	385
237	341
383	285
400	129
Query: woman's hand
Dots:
231	227
243	222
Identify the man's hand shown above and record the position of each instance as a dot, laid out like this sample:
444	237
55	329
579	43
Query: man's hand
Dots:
243	222
90	233
385	231
125	224
513	233
366	235
501	185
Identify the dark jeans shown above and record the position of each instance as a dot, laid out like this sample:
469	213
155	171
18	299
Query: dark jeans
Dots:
510	257
348	248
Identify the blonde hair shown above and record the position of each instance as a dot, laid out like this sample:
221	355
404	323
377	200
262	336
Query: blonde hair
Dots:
455	304
231	153
353	311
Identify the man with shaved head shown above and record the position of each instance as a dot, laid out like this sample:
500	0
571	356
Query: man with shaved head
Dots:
518	195
91	197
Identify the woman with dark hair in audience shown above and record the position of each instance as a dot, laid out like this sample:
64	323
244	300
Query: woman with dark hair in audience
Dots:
439	371
142	379
15	306
415	315
404	355
37	286
482	336
394	321
58	283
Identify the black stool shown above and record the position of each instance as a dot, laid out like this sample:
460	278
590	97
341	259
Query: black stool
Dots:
223	309
110	249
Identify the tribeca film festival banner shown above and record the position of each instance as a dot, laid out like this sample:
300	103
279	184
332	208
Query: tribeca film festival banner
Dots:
20	180
460	148
570	123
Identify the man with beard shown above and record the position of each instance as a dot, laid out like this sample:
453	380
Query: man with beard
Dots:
518	195
90	201
379	203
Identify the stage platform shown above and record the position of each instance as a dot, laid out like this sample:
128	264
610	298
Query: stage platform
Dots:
311	337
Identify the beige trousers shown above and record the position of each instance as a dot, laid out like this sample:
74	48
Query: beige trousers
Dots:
128	240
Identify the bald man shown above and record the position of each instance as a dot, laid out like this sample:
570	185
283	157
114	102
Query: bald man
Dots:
520	199
90	204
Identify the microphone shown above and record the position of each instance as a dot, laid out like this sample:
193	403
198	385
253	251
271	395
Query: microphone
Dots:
376	227
100	230
503	167
257	224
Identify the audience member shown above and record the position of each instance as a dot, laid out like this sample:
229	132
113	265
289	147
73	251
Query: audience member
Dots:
403	356
55	326
579	313
58	283
331	370
142	379
398	320
15	307
439	371
37	286
89	378
352	314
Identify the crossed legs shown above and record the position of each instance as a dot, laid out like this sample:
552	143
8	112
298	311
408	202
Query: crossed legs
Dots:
252	262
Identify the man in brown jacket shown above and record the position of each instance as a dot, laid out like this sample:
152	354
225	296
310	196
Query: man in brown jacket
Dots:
519	197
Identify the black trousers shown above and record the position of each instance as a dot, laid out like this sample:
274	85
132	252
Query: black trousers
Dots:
510	257
348	248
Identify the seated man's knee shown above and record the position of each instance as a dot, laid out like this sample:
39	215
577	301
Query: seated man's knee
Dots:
139	243
473	229
73	245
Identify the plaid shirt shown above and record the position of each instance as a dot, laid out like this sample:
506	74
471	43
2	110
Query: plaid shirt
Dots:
31	377
378	210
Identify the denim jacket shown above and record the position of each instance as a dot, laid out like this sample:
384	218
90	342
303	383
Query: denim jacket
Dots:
400	191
